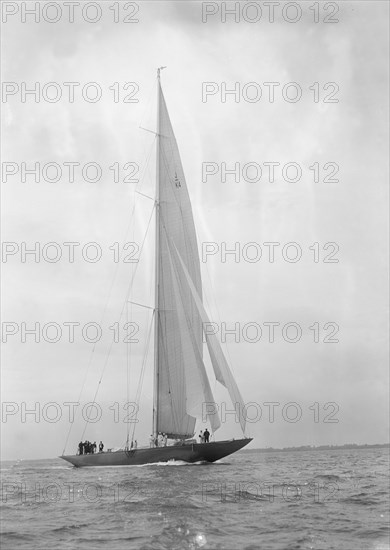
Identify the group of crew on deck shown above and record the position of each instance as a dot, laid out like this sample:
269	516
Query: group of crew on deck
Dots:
88	448
160	441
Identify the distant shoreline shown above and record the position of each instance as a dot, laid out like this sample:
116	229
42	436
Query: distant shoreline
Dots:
319	448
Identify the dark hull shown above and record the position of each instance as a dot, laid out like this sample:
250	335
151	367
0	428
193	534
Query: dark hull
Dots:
197	452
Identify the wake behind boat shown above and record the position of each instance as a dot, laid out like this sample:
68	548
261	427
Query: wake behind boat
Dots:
182	391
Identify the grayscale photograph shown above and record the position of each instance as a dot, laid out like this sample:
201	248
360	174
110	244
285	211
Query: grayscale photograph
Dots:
194	261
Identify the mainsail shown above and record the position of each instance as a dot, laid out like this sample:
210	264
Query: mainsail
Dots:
182	388
178	324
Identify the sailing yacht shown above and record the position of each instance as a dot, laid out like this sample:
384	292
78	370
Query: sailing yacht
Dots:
182	391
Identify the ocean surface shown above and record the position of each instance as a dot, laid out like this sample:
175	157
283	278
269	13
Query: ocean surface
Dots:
317	500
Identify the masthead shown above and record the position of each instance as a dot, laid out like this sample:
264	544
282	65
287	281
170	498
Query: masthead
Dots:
158	71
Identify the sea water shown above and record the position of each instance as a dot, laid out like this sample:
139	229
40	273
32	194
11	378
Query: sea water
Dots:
318	500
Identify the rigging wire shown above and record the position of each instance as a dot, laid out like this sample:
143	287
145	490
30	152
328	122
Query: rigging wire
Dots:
120	317
142	373
128	344
92	354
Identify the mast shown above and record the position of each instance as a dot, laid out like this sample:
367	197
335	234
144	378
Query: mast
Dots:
157	263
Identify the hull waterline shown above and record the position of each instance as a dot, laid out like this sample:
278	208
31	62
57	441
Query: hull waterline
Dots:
197	452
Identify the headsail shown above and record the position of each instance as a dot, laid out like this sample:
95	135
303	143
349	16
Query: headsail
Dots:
221	368
198	390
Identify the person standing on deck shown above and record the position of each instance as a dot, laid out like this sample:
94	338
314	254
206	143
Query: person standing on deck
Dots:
206	435
201	437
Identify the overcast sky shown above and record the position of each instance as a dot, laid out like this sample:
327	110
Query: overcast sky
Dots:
350	375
